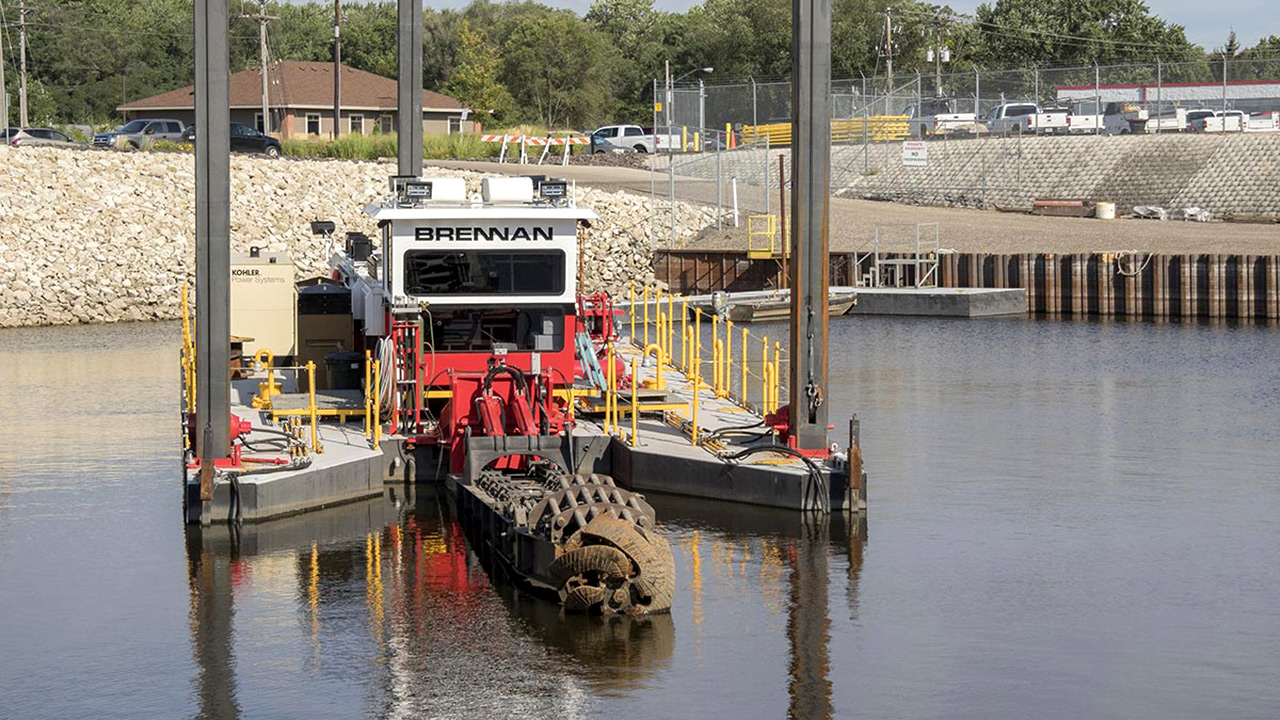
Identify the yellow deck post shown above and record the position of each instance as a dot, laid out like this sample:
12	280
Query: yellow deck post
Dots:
657	314
368	375
696	380
635	400
777	374
743	388
728	359
646	319
311	406
633	311
376	403
764	372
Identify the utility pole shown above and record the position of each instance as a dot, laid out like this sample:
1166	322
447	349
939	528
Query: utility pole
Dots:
888	52
22	64
337	67
263	18
937	59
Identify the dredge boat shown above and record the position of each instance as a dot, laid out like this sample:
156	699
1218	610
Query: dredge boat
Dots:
471	302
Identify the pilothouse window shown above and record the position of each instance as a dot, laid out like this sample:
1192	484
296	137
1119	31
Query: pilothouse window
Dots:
484	272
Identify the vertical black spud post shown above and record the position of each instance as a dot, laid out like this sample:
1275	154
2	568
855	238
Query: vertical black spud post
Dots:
213	246
409	87
810	180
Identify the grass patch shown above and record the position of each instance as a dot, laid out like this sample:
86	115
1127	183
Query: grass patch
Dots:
372	147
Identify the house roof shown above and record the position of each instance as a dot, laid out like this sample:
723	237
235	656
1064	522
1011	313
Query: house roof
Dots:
300	84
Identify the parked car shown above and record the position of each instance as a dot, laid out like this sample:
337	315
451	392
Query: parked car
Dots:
1024	118
244	139
1197	114
936	116
6	133
36	136
642	140
1218	121
140	134
1116	118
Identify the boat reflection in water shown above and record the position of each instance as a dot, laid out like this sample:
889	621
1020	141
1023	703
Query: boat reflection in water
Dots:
794	556
385	594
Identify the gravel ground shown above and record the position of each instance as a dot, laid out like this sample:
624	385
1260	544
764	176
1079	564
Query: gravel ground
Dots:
853	222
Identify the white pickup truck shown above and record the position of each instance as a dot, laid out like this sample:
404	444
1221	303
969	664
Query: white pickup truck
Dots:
1230	121
1116	118
1025	118
634	137
935	117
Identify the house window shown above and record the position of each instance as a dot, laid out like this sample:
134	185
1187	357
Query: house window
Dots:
257	123
357	124
313	123
455	125
384	123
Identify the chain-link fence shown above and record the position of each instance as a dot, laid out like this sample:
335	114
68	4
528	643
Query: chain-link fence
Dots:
1249	85
730	169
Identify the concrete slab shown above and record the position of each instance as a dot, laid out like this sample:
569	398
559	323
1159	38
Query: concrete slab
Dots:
941	302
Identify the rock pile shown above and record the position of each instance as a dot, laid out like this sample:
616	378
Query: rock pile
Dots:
91	236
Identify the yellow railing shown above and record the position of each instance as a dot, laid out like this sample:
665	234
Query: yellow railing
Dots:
876	128
756	385
762	236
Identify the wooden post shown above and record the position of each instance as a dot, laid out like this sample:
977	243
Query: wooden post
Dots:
1246	306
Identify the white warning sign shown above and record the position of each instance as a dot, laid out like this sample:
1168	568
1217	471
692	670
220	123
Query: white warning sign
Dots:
914	154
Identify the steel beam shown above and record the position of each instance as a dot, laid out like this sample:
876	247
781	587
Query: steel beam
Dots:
409	87
213	241
810	194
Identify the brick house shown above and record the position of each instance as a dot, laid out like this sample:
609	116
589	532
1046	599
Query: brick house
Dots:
300	102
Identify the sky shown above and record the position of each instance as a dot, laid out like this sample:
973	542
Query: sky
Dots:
1207	23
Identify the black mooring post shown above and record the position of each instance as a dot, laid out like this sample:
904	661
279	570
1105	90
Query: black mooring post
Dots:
409	87
810	181
213	244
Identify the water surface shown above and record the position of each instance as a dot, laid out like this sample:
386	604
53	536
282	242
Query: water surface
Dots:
1067	520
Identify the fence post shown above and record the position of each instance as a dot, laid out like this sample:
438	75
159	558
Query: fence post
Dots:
1097	96
1035	71
719	187
1159	93
755	117
977	92
1224	93
671	184
764	170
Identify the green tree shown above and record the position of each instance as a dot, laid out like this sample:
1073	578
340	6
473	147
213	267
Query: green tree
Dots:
559	70
1027	33
475	77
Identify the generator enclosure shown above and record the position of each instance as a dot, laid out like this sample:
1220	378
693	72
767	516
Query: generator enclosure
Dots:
264	302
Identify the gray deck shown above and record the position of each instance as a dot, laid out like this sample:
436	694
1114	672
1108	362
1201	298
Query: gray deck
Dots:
664	459
348	469
922	302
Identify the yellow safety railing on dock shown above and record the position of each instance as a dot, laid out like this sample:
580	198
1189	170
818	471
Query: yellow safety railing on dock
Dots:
756	386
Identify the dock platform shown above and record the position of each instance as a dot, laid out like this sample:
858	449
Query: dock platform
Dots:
664	458
349	469
906	301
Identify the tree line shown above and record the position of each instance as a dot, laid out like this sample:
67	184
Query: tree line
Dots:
524	62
